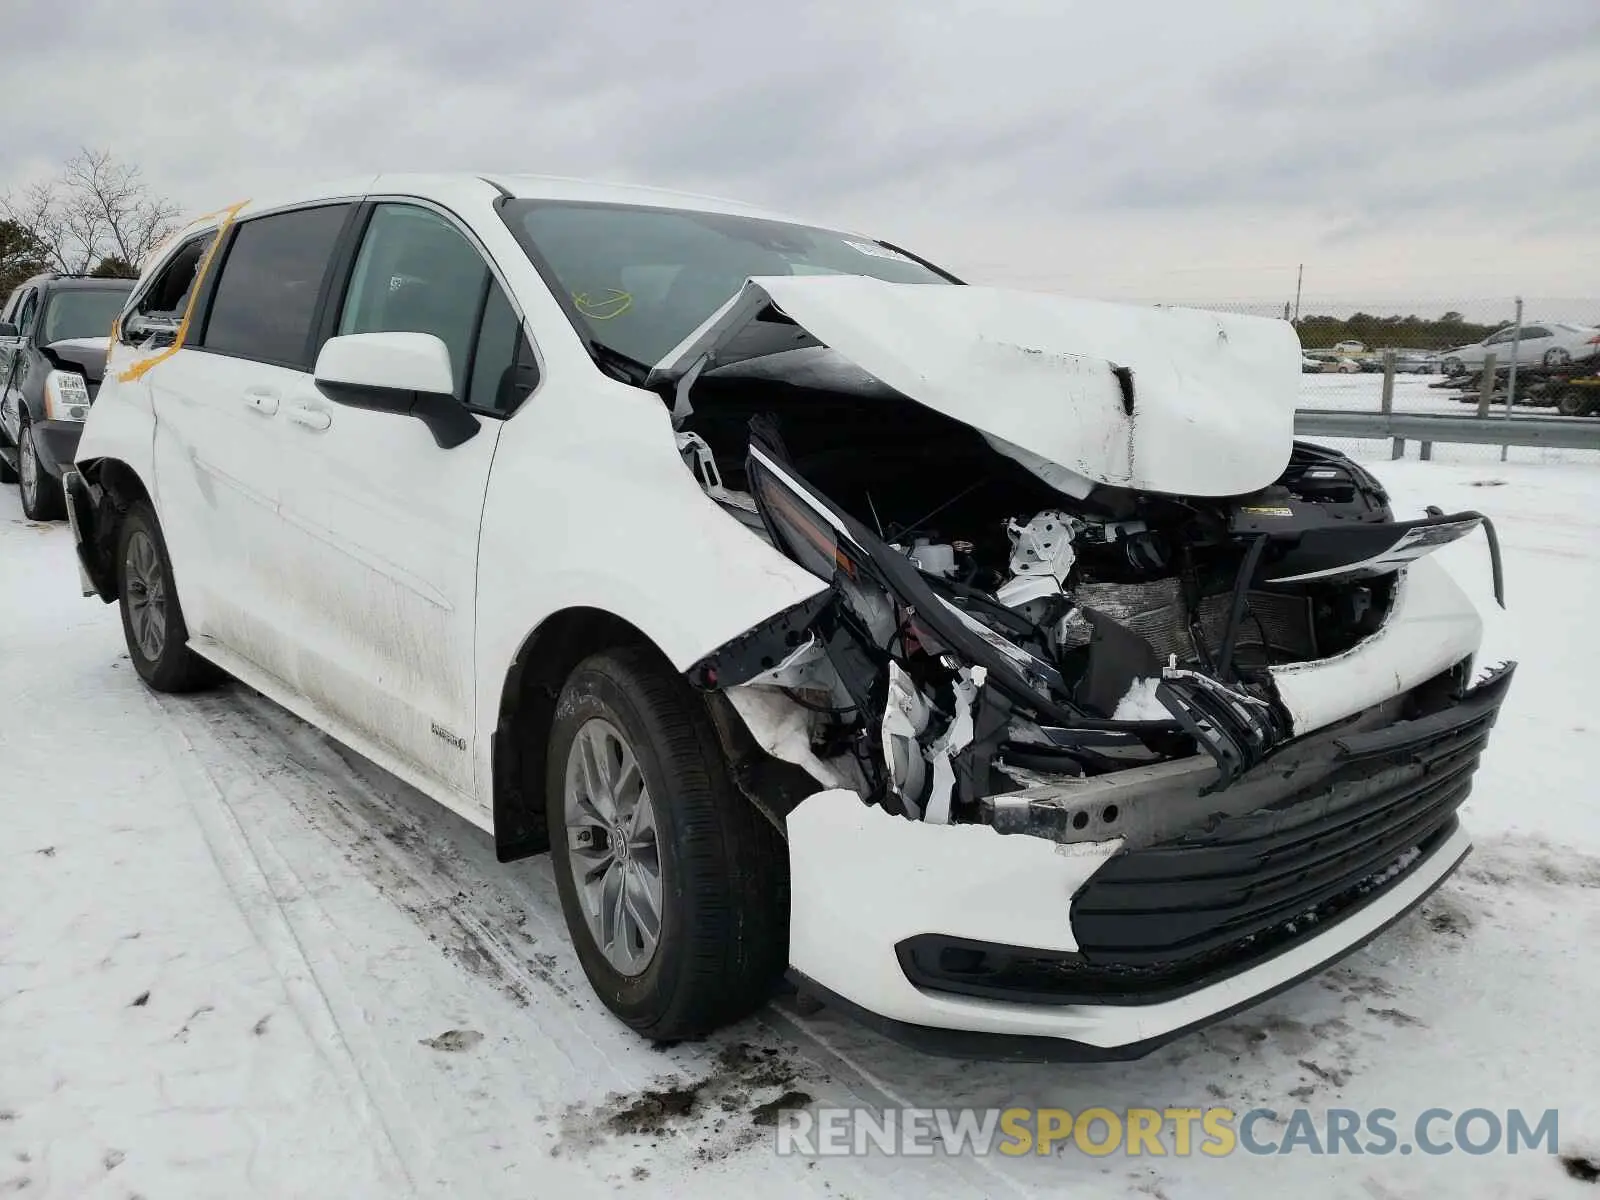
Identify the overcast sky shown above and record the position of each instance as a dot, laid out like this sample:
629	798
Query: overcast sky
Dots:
1405	151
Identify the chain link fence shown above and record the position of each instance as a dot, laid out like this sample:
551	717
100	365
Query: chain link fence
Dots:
1439	364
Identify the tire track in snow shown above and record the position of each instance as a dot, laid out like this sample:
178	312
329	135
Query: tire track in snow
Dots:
475	924
475	916
260	902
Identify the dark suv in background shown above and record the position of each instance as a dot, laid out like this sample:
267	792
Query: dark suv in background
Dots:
54	332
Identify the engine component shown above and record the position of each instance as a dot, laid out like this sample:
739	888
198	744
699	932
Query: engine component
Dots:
1020	591
956	738
934	558
1276	626
905	717
1043	547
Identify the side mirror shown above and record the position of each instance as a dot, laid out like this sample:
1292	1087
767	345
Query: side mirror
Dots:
403	373
140	328
7	329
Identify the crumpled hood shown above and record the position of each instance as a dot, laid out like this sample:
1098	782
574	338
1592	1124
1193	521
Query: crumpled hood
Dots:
87	355
1159	399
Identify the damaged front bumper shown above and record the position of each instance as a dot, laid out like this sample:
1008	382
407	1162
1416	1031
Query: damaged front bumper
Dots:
999	854
1150	911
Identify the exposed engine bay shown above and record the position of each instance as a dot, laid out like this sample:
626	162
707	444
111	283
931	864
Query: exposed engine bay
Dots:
995	624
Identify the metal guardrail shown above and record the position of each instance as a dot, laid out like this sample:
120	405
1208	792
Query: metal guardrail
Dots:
1565	433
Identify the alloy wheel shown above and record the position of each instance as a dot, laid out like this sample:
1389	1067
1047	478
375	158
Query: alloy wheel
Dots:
28	470
147	595
612	845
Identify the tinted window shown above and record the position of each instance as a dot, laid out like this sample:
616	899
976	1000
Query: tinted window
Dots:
417	273
266	298
1534	331
82	312
503	367
641	279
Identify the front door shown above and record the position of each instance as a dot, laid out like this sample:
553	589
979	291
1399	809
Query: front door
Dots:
384	522
1536	340
14	364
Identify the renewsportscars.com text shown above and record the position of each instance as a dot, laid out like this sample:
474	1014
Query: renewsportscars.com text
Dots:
1159	1132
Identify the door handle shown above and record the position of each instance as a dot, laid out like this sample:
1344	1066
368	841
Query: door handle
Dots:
261	400
316	419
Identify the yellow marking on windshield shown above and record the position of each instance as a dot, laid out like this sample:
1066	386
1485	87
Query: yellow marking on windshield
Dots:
604	307
141	367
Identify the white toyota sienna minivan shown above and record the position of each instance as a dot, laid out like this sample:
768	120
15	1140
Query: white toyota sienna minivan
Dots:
995	663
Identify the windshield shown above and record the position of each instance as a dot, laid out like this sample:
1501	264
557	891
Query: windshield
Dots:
639	280
82	312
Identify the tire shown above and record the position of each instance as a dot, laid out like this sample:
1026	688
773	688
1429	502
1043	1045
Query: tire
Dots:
42	499
1453	367
1556	357
722	872
158	639
1575	402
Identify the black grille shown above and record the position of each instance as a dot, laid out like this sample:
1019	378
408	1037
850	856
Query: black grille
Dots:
1164	919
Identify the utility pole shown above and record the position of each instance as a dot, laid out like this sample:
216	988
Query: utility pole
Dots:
1299	278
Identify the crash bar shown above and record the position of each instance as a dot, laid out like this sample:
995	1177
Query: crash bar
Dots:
1564	433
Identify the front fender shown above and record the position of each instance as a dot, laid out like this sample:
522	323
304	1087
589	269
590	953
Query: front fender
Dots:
589	506
121	426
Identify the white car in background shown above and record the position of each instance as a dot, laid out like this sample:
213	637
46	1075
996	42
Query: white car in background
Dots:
997	664
1542	343
1330	362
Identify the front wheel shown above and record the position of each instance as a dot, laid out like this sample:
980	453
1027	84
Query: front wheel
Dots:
152	618
674	888
1557	357
41	491
1453	367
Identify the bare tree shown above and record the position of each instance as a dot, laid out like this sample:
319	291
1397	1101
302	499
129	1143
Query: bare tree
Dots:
96	209
39	210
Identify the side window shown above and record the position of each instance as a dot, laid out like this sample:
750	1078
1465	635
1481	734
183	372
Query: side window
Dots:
1534	331
26	312
503	367
168	293
417	273
266	297
161	305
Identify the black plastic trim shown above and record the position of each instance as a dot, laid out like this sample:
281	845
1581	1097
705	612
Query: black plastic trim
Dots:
57	444
1161	920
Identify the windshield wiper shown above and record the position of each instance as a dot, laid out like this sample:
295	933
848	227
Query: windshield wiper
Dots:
629	370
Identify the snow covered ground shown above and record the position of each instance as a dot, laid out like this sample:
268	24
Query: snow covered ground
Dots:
235	960
1364	392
